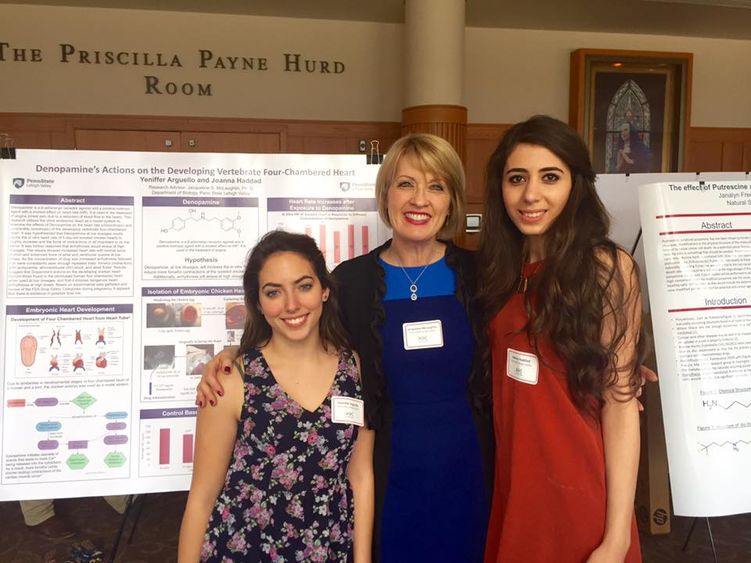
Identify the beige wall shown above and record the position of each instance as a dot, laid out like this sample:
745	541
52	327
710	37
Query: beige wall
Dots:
509	74
369	88
512	74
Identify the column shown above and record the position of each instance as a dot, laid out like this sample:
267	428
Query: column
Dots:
434	81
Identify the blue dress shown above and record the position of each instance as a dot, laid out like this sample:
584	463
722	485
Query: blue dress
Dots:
286	496
435	505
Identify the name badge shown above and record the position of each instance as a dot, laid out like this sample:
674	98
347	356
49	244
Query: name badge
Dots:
522	366
347	410
425	334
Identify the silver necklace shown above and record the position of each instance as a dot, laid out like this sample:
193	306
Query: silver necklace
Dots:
413	282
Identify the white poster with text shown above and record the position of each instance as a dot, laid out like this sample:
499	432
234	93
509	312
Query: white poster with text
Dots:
121	277
697	242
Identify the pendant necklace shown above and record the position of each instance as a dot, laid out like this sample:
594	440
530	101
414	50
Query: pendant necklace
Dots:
521	286
413	282
532	269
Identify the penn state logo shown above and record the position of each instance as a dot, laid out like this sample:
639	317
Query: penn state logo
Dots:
344	186
18	183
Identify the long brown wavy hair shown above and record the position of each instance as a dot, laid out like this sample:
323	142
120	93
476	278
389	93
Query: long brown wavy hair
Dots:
257	330
583	282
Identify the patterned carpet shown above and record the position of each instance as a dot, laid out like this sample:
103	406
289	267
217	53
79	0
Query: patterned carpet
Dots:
155	538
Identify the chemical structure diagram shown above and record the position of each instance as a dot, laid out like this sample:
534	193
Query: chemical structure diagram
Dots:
714	404
735	446
225	223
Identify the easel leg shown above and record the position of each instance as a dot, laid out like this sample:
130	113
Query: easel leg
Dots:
137	517
123	520
709	531
711	540
690	533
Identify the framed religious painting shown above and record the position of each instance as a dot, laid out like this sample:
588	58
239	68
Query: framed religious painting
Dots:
632	108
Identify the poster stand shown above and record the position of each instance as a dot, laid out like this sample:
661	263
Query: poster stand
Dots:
133	507
709	531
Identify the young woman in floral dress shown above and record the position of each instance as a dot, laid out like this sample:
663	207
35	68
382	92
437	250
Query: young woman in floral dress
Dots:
283	465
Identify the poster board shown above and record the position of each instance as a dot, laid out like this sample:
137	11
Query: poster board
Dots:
121	276
619	193
697	241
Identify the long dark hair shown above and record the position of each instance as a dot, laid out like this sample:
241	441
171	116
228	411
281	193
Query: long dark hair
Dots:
257	330
583	280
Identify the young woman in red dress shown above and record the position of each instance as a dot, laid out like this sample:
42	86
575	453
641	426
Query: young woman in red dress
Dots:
563	307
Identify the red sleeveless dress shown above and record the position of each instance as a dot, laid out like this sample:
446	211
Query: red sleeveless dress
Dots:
549	496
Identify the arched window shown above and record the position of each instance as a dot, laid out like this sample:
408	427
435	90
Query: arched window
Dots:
628	123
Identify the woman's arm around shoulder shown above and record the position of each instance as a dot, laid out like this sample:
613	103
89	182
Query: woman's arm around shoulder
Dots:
210	388
620	412
216	429
360	475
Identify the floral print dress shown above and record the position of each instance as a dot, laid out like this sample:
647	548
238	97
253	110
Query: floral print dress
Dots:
286	496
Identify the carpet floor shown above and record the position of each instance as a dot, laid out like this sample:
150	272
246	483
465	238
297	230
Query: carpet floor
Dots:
155	537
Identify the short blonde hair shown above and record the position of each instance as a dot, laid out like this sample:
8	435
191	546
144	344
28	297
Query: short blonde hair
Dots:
435	155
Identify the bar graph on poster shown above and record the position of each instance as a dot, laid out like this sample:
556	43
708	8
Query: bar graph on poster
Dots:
343	228
121	278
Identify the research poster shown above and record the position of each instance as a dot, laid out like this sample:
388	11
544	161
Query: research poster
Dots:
121	277
697	243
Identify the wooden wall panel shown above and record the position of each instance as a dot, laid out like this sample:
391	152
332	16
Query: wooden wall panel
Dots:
324	145
29	139
482	139
311	137
107	132
119	140
732	156
704	156
718	149
708	148
229	142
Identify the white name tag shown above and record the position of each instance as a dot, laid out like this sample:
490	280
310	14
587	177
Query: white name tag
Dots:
347	410
522	366
425	334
